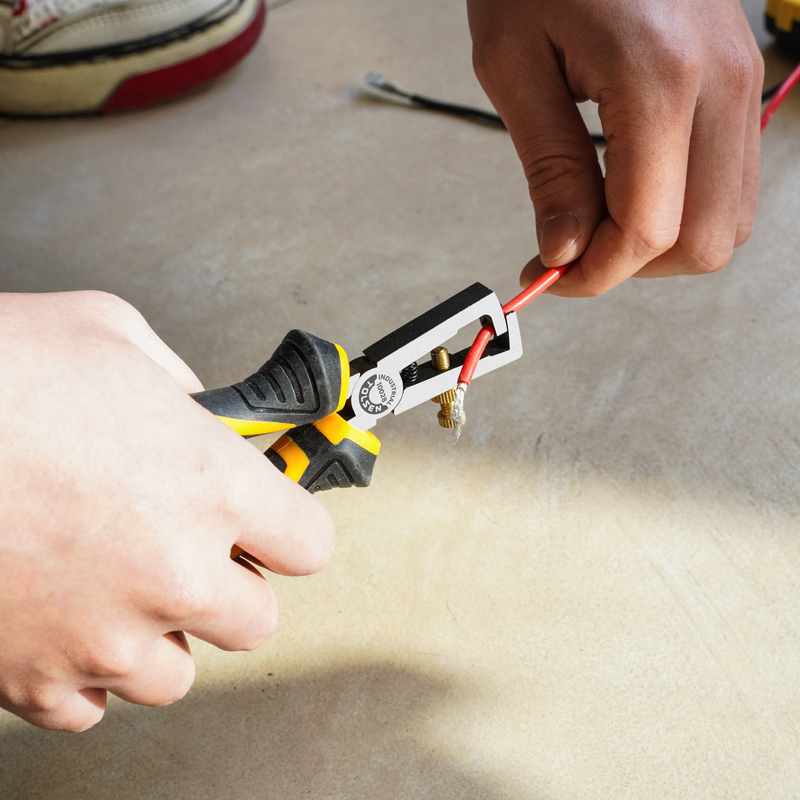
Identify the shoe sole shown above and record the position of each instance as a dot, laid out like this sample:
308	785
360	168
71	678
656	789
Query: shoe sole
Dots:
133	80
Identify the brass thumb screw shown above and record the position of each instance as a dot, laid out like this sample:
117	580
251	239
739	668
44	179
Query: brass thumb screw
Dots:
440	359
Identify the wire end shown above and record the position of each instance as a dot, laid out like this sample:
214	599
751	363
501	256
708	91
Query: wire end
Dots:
377	81
457	413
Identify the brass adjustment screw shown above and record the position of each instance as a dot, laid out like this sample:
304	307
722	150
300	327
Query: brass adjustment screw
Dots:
440	359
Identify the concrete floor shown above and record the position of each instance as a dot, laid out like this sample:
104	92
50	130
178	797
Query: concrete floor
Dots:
594	595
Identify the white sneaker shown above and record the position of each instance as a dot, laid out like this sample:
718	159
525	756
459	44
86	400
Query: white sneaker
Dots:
99	56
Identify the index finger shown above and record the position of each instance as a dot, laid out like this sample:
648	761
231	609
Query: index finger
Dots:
282	525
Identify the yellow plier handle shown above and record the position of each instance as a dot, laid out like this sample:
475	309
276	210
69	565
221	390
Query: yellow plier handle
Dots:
327	454
300	389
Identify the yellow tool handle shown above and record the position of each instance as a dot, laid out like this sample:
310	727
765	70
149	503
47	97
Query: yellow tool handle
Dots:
327	454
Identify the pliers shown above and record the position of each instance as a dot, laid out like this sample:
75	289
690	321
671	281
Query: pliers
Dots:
327	405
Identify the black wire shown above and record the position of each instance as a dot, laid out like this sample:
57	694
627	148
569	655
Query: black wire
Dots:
490	118
768	93
478	114
462	111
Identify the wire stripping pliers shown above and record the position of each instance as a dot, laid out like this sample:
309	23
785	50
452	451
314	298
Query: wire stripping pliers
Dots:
327	405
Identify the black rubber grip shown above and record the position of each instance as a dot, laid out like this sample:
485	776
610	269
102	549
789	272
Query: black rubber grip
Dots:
787	40
302	382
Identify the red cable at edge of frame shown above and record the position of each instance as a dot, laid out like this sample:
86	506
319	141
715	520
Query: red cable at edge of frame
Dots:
552	275
779	97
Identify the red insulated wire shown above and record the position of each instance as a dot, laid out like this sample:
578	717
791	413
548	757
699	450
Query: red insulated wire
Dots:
552	275
487	331
779	97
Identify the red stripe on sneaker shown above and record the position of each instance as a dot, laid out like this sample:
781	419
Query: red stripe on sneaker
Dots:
163	84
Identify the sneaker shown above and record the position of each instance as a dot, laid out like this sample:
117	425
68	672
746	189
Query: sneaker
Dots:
99	56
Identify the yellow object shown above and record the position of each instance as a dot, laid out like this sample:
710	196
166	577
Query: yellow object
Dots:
249	427
335	430
345	364
784	13
296	460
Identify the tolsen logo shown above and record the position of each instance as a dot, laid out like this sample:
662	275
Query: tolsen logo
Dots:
377	394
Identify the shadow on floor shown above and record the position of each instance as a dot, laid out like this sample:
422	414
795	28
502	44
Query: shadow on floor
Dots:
360	733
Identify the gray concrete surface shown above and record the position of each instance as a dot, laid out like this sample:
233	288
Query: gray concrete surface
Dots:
594	595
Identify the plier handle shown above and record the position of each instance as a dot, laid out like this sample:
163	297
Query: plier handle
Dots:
328	405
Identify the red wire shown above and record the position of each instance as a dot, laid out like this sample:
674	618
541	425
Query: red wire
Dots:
779	97
518	302
552	275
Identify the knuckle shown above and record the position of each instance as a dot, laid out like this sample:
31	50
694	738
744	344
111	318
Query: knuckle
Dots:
676	59
682	65
489	49
739	71
596	289
39	698
647	242
115	659
105	302
550	175
78	724
262	626
322	544
179	690
481	62
184	598
115	312
758	67
710	260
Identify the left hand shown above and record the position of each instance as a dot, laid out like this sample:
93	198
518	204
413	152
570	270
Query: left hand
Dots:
678	85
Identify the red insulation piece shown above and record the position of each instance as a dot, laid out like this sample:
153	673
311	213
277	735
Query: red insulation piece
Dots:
515	304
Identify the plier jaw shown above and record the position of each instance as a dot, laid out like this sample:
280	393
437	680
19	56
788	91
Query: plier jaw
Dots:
377	386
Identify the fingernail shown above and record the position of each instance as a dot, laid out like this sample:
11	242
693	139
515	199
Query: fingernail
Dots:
557	239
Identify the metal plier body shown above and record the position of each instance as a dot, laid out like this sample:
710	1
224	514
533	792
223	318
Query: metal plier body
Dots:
328	406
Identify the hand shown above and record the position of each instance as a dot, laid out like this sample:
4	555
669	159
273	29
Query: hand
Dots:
120	500
679	89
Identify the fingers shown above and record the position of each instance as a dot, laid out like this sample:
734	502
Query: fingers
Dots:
681	186
157	675
560	161
286	530
678	90
722	176
54	710
283	526
242	614
162	674
646	166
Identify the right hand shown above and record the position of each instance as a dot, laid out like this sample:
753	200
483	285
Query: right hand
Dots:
120	500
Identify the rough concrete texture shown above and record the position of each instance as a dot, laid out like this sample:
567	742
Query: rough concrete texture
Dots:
594	595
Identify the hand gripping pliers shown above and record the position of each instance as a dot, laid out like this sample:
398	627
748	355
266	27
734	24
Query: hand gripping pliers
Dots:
327	405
